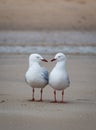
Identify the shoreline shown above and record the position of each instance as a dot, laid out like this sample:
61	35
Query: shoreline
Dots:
69	42
46	38
74	50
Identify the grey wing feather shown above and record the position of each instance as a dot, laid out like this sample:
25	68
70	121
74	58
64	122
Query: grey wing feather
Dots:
45	75
68	80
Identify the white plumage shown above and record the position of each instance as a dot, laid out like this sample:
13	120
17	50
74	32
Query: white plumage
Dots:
58	78
36	76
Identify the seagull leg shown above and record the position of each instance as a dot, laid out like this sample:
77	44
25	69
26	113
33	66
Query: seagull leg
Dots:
41	91
62	96
55	96
33	90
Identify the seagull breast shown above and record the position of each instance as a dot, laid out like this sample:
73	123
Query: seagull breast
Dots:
59	78
37	77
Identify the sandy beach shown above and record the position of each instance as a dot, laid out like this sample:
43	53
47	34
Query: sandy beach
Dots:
45	24
48	15
18	112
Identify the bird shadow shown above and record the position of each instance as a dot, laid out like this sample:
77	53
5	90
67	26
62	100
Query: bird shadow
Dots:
48	101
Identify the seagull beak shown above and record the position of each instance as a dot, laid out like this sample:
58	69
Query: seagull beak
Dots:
53	59
44	60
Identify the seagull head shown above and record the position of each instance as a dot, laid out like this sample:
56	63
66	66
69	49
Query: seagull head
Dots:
59	57
36	58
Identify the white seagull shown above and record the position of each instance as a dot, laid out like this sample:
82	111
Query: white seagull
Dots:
58	78
36	76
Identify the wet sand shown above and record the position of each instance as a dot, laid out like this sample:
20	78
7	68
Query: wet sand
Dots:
18	112
48	15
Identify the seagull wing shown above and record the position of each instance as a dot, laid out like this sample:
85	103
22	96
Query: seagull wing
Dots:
45	75
68	80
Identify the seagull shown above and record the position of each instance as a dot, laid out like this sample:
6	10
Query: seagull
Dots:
58	78
36	76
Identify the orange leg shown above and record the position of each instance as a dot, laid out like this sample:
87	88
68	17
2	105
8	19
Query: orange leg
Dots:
41	91
33	90
55	96
62	96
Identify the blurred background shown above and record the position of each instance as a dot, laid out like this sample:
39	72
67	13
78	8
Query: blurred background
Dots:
38	25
